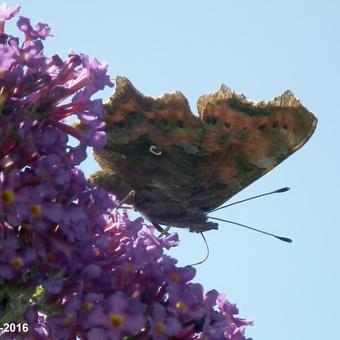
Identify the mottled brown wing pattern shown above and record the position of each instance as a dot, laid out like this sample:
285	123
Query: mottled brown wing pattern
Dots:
182	166
247	140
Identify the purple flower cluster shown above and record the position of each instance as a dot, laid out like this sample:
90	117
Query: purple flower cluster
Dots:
72	266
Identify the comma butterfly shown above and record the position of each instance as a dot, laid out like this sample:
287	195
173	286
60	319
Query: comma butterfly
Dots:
181	166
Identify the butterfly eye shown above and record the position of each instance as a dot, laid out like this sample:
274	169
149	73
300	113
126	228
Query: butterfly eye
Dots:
227	125
154	150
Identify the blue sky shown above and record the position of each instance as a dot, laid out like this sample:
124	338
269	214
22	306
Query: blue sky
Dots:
260	48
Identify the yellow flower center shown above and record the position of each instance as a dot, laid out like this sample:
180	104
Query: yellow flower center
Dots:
36	210
50	257
7	196
30	140
96	252
17	262
69	319
181	307
160	328
24	56
87	306
116	320
130	267
175	277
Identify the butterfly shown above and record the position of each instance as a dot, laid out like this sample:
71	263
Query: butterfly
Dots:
180	166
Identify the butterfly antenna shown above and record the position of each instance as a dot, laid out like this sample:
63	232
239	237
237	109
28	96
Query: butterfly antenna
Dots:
278	191
206	256
284	239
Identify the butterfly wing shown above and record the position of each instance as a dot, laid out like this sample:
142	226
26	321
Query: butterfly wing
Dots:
182	166
245	140
152	148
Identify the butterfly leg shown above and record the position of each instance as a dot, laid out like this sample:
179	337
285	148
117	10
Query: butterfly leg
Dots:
163	231
110	181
